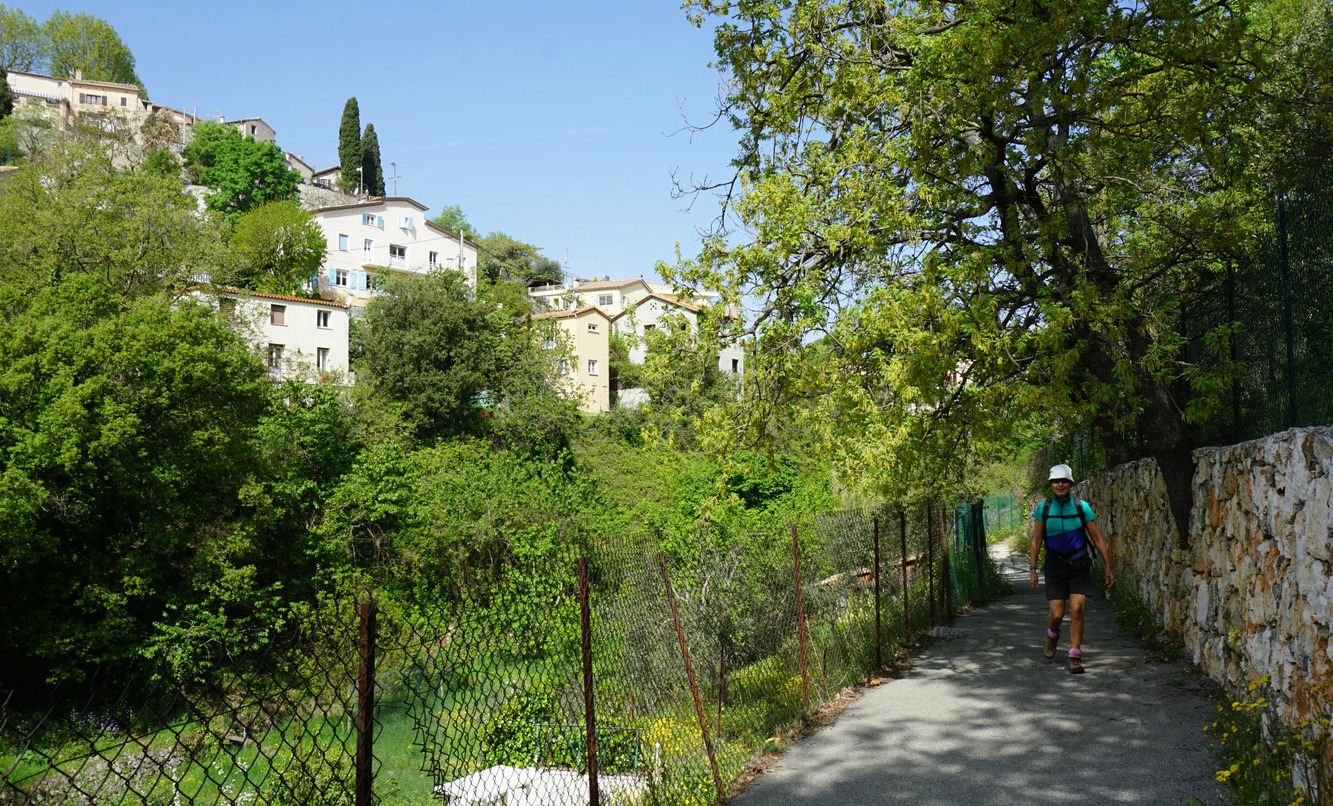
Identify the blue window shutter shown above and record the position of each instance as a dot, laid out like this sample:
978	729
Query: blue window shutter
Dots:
333	275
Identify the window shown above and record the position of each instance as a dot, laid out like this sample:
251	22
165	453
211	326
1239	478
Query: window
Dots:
592	327
367	247
124	101
274	356
322	359
592	366
562	367
253	129
606	299
277	315
648	329
434	259
92	100
735	366
340	277
397	255
372	220
227	306
406	222
322	319
342	242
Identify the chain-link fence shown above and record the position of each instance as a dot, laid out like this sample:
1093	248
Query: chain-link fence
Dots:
630	675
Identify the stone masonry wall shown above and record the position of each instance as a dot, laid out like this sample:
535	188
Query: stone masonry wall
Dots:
1253	593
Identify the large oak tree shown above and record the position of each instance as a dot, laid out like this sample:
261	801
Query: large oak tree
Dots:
959	216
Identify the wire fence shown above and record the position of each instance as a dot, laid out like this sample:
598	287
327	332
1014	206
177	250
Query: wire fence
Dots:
627	675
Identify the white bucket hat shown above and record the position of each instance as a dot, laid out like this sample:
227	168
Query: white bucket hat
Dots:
1062	472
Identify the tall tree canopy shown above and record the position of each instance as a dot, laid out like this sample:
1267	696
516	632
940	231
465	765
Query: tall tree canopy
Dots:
372	168
22	42
74	210
6	95
349	146
87	43
455	220
241	171
974	211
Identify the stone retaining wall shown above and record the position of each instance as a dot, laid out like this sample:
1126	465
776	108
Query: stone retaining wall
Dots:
1253	593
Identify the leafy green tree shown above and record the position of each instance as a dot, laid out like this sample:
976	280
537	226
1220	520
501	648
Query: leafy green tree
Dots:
241	171
349	146
22	41
84	42
989	209
278	245
453	219
123	446
72	210
372	169
506	258
426	347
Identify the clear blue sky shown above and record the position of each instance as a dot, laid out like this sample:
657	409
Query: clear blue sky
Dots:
550	121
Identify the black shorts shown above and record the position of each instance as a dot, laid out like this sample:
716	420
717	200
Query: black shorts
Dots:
1061	580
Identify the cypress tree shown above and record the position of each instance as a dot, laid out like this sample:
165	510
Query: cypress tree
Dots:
349	145
6	96
371	167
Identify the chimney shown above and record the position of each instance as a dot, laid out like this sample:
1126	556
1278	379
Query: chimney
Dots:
78	73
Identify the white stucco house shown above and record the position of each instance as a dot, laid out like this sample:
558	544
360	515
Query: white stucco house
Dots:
297	337
369	239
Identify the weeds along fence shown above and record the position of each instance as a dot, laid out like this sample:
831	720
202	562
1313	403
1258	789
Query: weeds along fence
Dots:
634	673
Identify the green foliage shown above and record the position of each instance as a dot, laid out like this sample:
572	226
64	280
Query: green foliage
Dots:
6	95
242	172
81	41
349	146
372	169
278	245
1263	761
505	258
72	211
163	163
988	210
22	44
453	219
124	438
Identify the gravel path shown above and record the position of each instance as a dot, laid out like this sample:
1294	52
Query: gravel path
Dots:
983	718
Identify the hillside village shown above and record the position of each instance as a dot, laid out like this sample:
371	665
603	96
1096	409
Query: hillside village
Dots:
306	333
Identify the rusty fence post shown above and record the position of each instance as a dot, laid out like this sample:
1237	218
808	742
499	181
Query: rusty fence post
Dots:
800	621
907	601
879	635
589	712
365	707
948	569
689	672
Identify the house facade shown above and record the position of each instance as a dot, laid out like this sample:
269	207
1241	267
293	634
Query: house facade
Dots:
587	374
62	99
297	337
368	239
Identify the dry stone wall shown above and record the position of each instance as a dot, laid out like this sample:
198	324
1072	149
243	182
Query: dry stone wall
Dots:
1252	595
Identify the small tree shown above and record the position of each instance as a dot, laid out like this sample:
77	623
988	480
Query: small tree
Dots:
241	171
453	219
349	146
277	245
6	95
84	42
372	169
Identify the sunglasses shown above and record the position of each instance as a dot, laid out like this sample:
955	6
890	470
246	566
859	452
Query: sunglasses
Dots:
1061	481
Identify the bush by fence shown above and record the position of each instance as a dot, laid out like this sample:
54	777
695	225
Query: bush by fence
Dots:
685	663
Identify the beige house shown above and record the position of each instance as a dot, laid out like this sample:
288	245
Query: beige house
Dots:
612	296
368	239
66	98
587	375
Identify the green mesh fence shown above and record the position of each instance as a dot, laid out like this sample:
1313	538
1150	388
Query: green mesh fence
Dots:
471	685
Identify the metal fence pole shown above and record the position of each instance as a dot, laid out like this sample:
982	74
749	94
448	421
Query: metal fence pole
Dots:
879	636
978	538
1286	310
689	672
902	540
948	559
589	711
365	710
800	621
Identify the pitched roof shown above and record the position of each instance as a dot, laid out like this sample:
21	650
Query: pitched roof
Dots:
606	285
572	314
265	295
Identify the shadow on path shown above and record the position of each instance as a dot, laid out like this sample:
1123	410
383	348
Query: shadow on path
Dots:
983	718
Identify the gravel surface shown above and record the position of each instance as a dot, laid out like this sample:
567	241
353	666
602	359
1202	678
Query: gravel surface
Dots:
983	718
